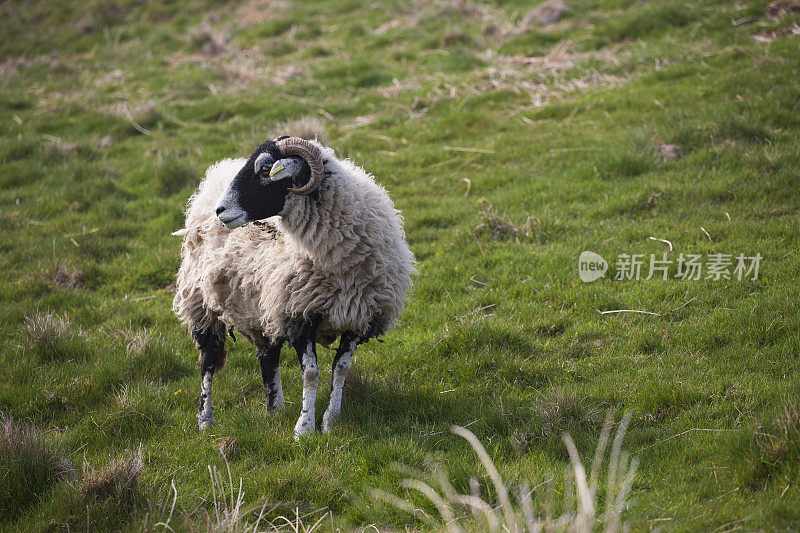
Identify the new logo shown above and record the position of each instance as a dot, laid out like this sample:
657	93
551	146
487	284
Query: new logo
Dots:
591	266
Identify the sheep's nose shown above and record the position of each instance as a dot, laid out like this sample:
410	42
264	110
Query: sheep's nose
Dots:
220	209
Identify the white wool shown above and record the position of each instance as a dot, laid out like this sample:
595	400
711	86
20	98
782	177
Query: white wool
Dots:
343	257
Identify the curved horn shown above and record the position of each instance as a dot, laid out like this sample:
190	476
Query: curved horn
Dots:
311	154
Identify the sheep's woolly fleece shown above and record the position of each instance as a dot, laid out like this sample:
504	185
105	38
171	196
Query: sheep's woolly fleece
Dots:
342	256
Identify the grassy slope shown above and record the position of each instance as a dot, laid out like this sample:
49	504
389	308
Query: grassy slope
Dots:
82	187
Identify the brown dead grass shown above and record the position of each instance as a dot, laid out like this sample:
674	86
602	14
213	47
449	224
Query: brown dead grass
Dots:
781	8
543	78
497	226
45	329
228	446
772	448
208	40
771	36
118	479
785	430
19	441
546	13
238	68
136	342
669	152
258	11
65	277
12	65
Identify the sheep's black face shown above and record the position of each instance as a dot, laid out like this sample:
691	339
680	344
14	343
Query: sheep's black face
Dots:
260	188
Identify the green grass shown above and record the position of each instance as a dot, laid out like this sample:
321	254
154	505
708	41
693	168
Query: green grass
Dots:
110	112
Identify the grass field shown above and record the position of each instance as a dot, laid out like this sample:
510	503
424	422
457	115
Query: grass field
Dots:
511	147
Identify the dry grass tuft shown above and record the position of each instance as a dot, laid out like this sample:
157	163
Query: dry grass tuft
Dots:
135	342
565	406
67	278
116	480
307	127
104	143
289	72
773	446
59	148
258	11
542	77
498	227
669	152
28	466
208	40
12	65
17	441
128	396
546	13
785	428
228	446
463	8
781	8
52	338
45	329
770	36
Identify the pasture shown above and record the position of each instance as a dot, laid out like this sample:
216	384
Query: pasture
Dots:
512	143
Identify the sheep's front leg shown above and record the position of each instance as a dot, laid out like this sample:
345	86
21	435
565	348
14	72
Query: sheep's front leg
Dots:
341	365
212	358
269	358
303	339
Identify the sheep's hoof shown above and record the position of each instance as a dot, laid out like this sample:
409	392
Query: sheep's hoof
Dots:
204	423
303	428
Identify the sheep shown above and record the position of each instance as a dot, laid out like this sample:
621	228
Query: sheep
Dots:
334	264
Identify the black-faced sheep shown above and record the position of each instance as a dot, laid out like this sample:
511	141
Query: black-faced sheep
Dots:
336	264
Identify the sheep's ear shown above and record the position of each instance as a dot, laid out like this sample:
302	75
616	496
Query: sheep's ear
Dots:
284	168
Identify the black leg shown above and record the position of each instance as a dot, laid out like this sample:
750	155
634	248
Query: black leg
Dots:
303	336
211	342
269	357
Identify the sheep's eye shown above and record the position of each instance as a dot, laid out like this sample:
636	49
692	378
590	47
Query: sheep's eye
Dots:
262	164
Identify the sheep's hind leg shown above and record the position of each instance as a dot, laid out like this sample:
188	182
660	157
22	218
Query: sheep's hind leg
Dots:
212	358
341	365
303	339
269	358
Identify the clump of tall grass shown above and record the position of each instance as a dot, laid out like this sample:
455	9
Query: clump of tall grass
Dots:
117	479
52	338
459	512
770	449
29	466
